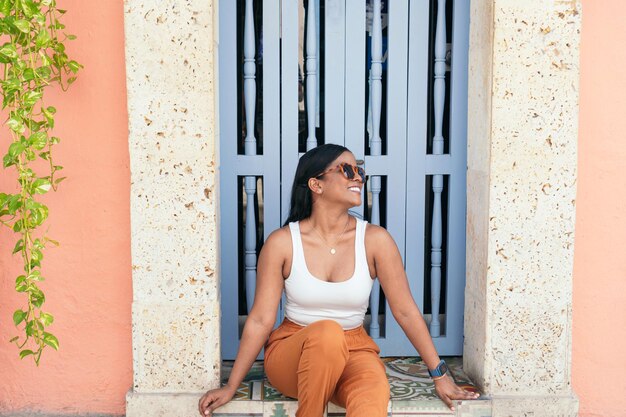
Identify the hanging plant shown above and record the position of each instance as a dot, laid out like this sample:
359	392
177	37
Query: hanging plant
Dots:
33	53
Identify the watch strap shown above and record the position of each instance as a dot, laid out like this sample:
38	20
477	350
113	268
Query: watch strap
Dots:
440	370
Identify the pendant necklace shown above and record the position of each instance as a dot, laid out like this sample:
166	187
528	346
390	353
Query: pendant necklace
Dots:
332	247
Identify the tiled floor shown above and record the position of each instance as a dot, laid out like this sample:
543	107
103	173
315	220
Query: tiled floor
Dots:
412	393
408	378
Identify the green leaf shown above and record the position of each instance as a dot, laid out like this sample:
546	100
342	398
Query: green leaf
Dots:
36	255
46	319
30	326
74	66
8	160
37	297
71	37
51	340
40	186
15	203
36	276
16	149
58	180
49	115
36	272
45	59
31	97
39	214
6	6
42	39
20	284
19	316
15	125
45	155
30	8
18	246
38	140
54	140
40	19
22	25
28	74
13	339
8	50
11	85
25	353
18	226
44	72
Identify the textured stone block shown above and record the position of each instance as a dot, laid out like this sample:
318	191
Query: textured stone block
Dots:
535	406
175	347
522	173
172	119
184	405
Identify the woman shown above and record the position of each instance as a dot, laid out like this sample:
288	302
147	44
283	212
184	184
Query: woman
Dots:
326	261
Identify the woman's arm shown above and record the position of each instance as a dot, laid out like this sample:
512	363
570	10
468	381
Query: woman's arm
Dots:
392	277
260	321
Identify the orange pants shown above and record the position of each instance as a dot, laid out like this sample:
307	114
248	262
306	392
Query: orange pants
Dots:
322	362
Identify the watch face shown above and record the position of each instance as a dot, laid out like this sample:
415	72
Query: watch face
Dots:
443	368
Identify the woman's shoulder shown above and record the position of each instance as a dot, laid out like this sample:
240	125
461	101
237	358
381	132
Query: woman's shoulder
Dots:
279	240
378	237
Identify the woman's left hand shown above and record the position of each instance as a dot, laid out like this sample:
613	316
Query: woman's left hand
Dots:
447	390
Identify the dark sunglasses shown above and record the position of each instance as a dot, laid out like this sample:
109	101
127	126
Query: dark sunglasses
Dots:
349	171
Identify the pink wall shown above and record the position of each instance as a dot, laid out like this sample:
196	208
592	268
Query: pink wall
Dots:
88	284
599	334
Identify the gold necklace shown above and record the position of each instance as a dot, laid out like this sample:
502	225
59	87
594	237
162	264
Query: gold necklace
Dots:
332	249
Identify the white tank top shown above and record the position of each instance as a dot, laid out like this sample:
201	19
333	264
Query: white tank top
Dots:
310	299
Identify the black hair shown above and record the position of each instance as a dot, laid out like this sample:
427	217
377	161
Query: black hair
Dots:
310	165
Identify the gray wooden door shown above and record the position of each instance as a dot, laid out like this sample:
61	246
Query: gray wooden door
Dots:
389	81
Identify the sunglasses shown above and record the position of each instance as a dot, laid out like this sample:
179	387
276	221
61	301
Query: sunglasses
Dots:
349	171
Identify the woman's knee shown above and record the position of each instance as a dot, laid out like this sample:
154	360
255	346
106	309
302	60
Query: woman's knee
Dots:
327	338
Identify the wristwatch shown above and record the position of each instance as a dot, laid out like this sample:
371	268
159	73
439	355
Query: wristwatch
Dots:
440	370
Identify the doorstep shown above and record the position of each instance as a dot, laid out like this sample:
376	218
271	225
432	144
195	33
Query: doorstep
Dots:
412	393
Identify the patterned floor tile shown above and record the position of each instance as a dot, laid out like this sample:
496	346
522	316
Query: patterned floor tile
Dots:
280	408
334	410
408	378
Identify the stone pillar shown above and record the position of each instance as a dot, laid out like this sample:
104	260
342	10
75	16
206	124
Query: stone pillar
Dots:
172	139
523	120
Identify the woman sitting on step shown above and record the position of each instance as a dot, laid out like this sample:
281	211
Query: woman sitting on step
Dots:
326	261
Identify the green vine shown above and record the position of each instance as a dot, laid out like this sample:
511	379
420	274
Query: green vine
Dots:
32	50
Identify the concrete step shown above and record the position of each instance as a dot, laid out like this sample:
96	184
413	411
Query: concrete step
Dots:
404	408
